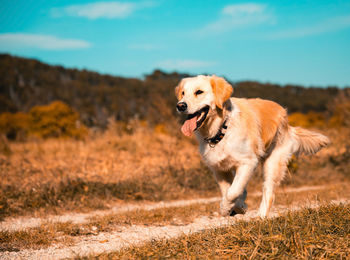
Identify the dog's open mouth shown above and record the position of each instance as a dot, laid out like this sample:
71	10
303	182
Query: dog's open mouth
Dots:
194	121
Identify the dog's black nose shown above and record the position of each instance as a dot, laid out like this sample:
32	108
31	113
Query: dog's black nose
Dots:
181	106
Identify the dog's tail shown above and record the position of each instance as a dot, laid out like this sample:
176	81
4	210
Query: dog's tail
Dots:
308	142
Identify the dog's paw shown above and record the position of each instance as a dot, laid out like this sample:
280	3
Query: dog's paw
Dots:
232	209
240	207
238	210
225	208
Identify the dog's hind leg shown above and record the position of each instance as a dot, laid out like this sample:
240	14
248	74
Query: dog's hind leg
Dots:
274	170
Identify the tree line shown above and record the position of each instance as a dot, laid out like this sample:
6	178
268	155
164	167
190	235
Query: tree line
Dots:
25	83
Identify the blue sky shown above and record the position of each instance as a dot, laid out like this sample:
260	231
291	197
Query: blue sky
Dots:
296	42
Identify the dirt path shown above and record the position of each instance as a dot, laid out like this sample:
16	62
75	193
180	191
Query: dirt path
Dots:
136	235
20	223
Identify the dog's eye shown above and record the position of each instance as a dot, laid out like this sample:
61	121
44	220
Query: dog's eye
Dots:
183	93
198	92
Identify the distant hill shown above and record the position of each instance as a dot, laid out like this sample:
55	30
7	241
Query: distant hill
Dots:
25	83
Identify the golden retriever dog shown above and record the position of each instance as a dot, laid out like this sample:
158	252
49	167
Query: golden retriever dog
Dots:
236	134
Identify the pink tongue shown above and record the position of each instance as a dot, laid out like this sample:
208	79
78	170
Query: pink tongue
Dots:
189	126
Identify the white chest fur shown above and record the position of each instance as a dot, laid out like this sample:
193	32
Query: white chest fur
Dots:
233	150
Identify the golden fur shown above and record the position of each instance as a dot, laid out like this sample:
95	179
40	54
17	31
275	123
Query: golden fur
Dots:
257	132
221	89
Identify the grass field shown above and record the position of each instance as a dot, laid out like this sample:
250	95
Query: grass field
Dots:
64	175
49	233
40	177
309	234
58	176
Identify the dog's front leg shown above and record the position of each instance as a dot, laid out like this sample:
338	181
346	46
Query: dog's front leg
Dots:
237	193
224	180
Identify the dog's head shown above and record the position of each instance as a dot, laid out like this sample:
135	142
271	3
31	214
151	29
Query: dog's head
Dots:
199	97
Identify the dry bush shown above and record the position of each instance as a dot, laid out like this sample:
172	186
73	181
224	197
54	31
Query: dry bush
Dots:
54	120
338	114
309	120
4	146
14	126
338	154
340	110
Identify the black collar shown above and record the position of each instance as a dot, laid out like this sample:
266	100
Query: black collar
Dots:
218	137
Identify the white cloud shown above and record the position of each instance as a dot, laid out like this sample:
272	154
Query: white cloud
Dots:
238	9
183	64
329	25
9	41
237	16
109	10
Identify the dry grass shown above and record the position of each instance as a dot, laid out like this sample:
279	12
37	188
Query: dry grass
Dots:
64	233
35	238
81	175
308	234
54	176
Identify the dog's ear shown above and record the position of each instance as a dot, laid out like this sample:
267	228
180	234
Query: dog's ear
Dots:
179	90
222	90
